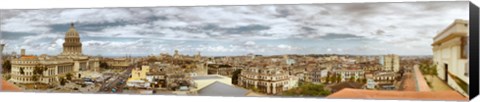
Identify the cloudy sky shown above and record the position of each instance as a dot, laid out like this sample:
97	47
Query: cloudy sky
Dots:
366	29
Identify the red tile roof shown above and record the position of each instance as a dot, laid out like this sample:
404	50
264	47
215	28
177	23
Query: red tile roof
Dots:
6	86
398	95
28	57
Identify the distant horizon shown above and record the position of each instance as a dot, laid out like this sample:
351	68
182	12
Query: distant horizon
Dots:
139	55
404	28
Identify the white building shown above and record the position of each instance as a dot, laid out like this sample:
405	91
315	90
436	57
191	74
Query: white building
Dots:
450	55
346	74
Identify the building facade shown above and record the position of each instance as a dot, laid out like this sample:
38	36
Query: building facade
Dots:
450	55
269	79
71	60
348	73
391	62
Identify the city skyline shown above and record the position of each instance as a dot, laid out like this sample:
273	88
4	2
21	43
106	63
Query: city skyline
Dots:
357	29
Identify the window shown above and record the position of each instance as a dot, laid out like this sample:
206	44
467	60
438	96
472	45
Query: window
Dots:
464	53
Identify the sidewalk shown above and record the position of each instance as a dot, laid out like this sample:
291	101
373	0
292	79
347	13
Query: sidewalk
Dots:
420	80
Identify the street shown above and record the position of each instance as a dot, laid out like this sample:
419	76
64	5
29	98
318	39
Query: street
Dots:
116	83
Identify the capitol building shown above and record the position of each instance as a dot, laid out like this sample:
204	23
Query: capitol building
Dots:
71	60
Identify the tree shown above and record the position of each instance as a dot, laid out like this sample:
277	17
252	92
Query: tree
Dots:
352	79
7	77
38	69
104	65
38	72
62	81
308	89
69	76
338	78
359	80
22	71
432	71
401	72
333	78
327	80
7	66
235	76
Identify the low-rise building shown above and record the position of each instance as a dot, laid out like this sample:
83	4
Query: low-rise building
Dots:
316	76
269	79
118	62
348	73
139	77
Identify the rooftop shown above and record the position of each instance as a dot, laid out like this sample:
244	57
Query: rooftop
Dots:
6	86
406	95
220	89
206	77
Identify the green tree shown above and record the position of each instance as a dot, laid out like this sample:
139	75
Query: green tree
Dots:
352	79
333	78
7	66
432	71
359	80
38	69
69	76
338	78
104	65
38	72
22	71
62	81
308	89
235	76
327	80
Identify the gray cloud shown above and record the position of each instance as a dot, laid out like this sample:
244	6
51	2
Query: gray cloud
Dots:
364	25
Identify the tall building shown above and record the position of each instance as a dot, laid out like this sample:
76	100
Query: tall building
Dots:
391	62
381	59
450	55
22	52
72	45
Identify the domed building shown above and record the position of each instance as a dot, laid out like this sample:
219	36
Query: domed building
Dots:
71	60
72	45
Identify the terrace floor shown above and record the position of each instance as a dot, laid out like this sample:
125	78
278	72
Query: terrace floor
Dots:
438	84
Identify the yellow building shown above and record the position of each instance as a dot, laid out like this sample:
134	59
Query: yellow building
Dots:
139	77
450	54
139	74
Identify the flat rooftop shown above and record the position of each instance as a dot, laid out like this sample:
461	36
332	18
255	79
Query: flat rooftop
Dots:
208	77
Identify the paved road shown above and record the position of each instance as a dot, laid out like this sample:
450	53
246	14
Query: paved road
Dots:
409	82
108	86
